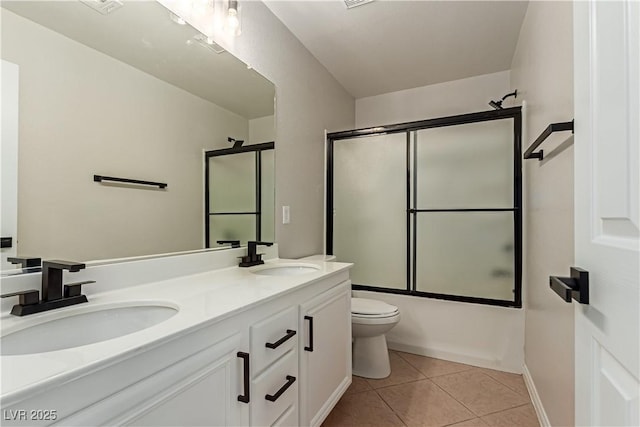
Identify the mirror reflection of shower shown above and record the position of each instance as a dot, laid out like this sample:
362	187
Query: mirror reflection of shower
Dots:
239	193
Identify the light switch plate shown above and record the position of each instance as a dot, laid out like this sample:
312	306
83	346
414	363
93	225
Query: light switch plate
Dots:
286	215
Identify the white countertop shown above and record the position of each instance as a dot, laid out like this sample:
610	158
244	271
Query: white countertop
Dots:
201	299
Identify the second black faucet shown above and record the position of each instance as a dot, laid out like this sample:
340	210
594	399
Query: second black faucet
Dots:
253	257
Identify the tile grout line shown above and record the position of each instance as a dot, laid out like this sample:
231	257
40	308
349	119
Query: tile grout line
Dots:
508	386
393	385
451	396
446	392
504	410
390	408
490	377
440	375
427	379
430	379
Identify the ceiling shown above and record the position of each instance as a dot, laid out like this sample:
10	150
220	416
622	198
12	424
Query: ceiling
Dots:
389	45
142	35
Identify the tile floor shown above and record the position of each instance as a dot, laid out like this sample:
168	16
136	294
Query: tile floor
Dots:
422	391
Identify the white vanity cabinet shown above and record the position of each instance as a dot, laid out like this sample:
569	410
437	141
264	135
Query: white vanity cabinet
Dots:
281	361
204	397
325	358
274	369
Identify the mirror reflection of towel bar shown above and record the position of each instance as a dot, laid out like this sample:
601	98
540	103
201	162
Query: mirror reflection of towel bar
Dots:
100	178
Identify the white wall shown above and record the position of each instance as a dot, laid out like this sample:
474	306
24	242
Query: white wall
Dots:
542	71
308	101
9	160
443	99
262	129
154	131
477	334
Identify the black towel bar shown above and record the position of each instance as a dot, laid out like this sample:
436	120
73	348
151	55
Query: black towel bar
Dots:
553	127
100	178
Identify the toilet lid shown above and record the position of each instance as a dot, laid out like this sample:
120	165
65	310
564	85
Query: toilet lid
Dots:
364	306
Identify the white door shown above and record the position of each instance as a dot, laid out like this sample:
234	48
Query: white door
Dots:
9	161
607	218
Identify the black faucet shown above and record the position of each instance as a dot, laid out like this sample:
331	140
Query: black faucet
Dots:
25	262
54	294
253	257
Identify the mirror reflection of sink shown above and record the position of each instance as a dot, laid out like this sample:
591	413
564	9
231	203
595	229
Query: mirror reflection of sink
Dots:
84	328
286	270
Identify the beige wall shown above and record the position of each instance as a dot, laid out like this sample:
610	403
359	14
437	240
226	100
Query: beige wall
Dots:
308	101
542	71
84	113
262	129
438	100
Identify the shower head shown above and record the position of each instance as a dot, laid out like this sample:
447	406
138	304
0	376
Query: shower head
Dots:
236	142
498	104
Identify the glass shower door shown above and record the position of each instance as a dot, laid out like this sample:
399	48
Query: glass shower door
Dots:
464	210
232	197
240	194
370	208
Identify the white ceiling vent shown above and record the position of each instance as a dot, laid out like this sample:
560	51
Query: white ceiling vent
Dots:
105	7
353	3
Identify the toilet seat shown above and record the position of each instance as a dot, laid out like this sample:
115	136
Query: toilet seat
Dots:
364	308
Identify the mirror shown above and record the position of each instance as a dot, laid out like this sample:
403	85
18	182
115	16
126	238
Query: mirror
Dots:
128	94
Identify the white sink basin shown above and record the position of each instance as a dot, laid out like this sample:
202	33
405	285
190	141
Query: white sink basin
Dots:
84	328
286	270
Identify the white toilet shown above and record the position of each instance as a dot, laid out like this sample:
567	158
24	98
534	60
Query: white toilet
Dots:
370	320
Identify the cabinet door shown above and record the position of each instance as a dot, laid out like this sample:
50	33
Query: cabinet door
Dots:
325	353
207	396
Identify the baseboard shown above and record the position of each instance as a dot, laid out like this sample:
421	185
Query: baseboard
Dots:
535	398
479	361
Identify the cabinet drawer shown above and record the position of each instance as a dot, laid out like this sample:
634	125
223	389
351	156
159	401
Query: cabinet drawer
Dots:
279	332
289	418
278	383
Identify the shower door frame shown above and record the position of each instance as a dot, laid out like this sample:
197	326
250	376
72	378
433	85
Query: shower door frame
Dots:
514	113
252	148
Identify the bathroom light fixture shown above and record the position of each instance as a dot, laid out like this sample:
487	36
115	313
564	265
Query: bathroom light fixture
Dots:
233	18
498	104
105	7
178	20
353	3
206	42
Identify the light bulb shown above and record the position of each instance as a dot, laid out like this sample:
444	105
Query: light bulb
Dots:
232	19
178	20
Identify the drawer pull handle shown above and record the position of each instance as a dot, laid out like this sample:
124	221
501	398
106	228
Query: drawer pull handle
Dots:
274	397
244	398
310	347
274	345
